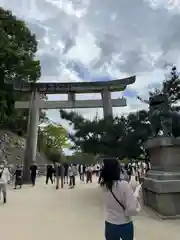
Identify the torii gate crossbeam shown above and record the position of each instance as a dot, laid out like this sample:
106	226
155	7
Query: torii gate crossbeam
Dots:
105	88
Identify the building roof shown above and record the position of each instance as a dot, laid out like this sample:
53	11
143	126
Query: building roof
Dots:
77	87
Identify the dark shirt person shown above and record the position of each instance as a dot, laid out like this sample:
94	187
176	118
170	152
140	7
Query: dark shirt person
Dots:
49	173
66	167
33	171
18	177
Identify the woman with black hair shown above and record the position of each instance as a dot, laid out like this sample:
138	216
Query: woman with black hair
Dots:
121	203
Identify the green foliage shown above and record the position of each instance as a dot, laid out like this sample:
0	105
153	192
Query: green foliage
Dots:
171	86
80	158
55	136
118	137
53	155
17	57
121	137
52	139
18	48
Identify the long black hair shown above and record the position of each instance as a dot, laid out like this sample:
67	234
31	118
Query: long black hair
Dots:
110	173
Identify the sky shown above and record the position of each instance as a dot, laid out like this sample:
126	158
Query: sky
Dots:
97	40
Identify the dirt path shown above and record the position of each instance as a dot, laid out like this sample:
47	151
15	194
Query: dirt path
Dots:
43	213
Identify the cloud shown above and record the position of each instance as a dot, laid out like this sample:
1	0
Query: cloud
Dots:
137	31
83	40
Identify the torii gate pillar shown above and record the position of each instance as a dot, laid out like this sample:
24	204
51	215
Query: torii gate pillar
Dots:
32	136
107	103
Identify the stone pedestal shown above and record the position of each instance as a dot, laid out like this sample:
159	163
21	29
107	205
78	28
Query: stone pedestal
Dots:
161	186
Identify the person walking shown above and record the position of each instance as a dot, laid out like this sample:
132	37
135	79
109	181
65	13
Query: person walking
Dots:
89	174
59	172
54	172
18	177
33	172
70	175
75	171
81	173
72	172
66	176
4	179
97	170
121	204
49	173
129	171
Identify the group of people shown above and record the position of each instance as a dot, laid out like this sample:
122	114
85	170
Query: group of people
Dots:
69	172
54	172
65	172
9	175
138	169
121	202
87	171
18	174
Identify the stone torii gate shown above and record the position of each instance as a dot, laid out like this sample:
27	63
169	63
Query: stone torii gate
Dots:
71	89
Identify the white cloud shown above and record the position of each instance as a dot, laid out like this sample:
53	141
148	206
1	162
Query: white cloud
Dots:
126	37
80	50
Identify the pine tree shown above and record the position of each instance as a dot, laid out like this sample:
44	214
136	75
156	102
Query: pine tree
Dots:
171	86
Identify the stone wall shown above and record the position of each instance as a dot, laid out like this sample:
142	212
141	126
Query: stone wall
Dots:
12	146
